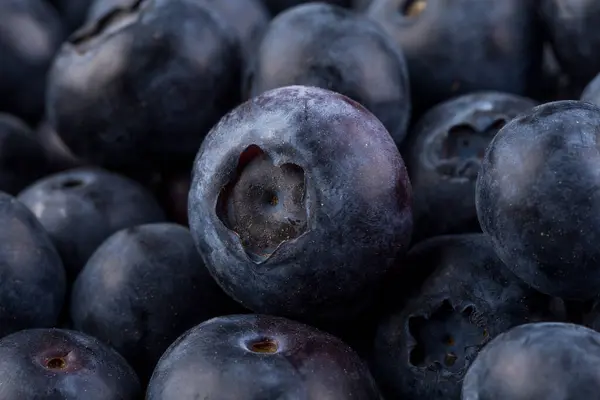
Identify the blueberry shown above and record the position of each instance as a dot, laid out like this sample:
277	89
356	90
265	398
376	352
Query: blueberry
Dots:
537	193
80	208
557	361
423	349
461	46
32	277
62	364
591	93
277	6
260	357
23	158
571	27
30	34
299	203
443	157
142	288
140	88
248	18
330	47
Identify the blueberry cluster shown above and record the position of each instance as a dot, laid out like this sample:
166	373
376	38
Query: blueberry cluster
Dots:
299	200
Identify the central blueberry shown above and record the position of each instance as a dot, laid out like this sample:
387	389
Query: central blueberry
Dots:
299	204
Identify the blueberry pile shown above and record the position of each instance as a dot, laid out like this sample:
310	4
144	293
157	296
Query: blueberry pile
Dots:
285	199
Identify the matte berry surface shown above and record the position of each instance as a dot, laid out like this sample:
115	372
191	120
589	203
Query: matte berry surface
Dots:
80	208
329	47
62	364
142	288
173	64
299	202
536	194
424	348
30	34
572	30
260	357
462	46
537	361
443	155
32	288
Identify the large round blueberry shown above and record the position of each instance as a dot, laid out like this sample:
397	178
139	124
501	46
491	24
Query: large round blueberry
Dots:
461	46
32	277
140	88
30	34
299	203
538	194
80	208
327	46
248	357
142	288
443	157
61	364
571	27
23	158
423	349
557	361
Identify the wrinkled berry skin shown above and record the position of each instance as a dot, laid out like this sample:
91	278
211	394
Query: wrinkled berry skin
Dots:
571	27
33	285
80	208
591	93
63	364
423	350
557	361
23	158
538	186
174	64
140	301
30	34
353	218
462	46
277	6
443	156
337	49
252	357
